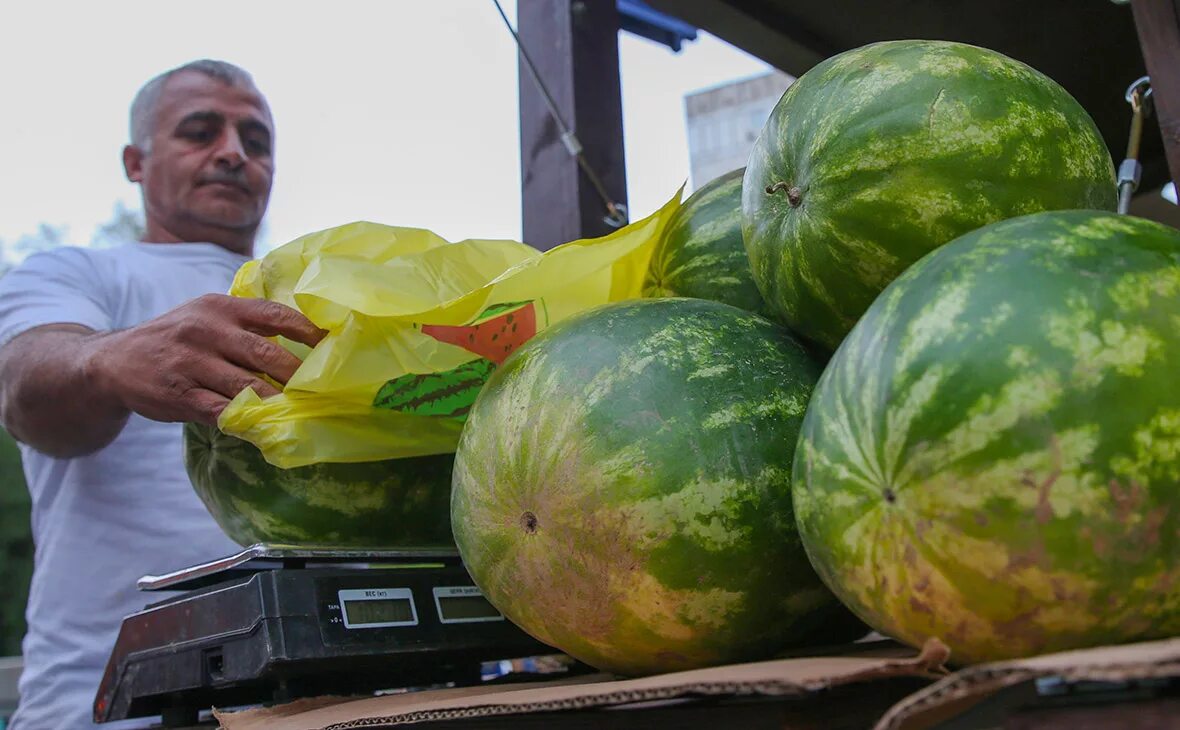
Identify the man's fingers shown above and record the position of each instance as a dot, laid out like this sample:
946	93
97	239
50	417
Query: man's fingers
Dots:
258	354
228	380
207	405
267	318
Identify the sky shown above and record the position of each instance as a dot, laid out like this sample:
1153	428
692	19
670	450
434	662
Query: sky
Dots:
401	112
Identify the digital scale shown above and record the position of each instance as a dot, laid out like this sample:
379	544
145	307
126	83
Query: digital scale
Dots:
273	623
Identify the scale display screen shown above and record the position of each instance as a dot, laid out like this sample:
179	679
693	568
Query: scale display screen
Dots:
371	608
463	604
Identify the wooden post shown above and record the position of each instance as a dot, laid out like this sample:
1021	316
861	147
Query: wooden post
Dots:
574	45
1158	25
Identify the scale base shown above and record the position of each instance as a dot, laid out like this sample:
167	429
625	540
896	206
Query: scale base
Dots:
273	630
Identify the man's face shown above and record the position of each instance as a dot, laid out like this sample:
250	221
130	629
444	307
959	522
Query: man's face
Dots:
208	173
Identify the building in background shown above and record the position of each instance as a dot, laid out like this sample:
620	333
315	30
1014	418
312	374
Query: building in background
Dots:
723	122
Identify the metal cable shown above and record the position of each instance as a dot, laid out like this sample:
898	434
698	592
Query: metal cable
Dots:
616	216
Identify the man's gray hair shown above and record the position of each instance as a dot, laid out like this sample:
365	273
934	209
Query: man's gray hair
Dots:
143	108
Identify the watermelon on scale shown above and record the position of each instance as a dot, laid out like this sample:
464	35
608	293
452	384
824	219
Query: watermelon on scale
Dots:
622	489
701	254
992	457
881	154
393	503
390	503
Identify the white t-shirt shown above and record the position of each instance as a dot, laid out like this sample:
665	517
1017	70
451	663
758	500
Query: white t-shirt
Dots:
102	521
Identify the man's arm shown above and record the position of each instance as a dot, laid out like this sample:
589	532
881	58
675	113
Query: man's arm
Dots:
45	398
67	391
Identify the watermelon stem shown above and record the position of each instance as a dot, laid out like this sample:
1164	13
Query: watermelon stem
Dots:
528	521
794	194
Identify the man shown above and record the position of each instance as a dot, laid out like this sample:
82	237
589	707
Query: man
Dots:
104	352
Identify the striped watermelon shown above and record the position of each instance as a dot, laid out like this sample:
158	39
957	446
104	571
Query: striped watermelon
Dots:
395	503
701	254
622	489
992	457
881	154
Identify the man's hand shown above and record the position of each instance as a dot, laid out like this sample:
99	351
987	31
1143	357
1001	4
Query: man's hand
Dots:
188	364
67	391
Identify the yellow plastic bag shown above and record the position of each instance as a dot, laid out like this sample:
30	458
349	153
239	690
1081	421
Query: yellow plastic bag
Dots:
415	326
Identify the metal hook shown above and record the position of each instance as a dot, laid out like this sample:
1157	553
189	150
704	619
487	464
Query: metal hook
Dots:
1129	173
1141	85
617	217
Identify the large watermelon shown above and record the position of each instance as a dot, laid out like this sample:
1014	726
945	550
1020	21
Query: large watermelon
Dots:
701	253
622	489
879	155
992	457
395	503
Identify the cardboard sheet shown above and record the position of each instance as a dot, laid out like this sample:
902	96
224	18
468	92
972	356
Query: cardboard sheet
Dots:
961	690
948	695
797	676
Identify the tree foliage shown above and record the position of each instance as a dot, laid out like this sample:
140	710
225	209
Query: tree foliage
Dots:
125	224
16	539
16	547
